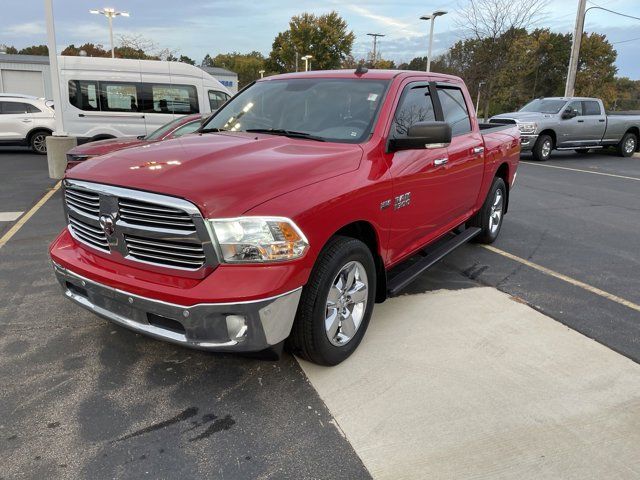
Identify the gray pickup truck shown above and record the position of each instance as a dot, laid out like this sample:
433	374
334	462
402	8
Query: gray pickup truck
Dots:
573	123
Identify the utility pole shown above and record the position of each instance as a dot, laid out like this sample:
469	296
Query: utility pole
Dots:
570	87
375	45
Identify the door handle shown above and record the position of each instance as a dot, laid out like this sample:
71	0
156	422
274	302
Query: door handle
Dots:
477	150
26	120
601	121
81	115
580	121
440	161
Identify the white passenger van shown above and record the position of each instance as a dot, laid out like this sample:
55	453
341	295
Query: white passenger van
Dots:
115	97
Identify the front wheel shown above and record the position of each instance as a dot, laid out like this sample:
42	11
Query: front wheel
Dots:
542	148
489	218
627	145
336	304
38	142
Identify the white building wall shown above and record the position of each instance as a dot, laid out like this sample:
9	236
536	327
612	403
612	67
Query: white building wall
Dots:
12	70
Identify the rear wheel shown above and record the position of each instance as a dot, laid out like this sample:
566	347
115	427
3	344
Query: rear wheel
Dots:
336	303
38	141
542	148
489	218
582	150
627	145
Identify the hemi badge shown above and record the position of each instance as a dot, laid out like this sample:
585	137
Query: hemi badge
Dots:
385	204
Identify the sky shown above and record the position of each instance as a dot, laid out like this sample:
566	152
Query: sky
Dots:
198	27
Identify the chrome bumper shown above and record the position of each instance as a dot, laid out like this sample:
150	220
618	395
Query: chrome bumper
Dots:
527	142
242	326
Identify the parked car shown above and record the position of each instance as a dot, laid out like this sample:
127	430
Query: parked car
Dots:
283	217
174	129
573	123
115	97
26	120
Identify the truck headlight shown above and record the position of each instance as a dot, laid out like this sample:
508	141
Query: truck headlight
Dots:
527	128
258	239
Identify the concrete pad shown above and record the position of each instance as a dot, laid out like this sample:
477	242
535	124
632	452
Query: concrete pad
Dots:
9	216
473	384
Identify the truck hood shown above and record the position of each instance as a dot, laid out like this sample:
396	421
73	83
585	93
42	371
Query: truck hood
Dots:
523	116
224	174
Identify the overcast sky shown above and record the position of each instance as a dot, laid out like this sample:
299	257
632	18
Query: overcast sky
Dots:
198	27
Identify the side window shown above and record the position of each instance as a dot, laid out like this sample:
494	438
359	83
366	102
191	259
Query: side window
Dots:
14	108
415	106
576	106
187	128
119	97
455	110
33	109
217	99
591	108
180	99
83	94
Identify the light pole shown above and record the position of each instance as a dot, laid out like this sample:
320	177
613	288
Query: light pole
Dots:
375	45
110	13
478	98
306	59
431	17
261	72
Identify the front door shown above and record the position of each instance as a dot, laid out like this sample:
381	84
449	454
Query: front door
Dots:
571	130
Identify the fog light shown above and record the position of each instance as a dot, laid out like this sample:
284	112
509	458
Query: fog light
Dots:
236	326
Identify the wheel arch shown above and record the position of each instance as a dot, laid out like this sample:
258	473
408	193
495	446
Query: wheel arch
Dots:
503	173
552	134
35	130
636	132
366	233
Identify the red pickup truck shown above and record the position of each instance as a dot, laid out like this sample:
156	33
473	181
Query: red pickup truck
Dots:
282	218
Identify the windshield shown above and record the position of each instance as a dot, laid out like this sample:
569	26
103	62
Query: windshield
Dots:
163	130
542	105
339	110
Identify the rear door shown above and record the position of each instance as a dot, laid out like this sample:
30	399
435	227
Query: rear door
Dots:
595	121
465	164
15	120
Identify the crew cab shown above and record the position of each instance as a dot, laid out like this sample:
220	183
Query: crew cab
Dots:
289	214
573	123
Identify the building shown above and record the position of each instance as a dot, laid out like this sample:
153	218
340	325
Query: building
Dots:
26	74
226	77
30	75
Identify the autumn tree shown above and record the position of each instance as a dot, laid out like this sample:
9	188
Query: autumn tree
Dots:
90	49
325	37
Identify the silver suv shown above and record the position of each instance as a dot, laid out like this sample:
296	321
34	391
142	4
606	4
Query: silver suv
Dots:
25	120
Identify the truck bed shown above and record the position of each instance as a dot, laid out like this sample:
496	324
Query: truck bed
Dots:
494	127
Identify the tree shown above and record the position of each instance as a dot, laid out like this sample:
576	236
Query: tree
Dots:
417	64
246	65
9	49
185	59
90	49
35	50
325	37
596	68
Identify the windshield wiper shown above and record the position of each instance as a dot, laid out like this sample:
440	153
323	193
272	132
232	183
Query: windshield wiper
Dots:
286	133
212	130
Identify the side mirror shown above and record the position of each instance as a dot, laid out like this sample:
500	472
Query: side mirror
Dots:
569	113
423	135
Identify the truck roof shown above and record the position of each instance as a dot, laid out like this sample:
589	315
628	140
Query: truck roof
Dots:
372	74
569	98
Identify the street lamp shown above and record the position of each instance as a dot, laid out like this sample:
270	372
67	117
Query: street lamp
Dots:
261	72
306	59
431	17
110	13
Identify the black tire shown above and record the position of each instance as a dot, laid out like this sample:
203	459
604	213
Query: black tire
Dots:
309	338
483	219
542	149
582	151
628	145
38	141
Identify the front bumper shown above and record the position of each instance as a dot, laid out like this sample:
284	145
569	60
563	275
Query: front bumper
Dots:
243	326
527	142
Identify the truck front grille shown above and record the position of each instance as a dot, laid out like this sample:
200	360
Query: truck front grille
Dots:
137	226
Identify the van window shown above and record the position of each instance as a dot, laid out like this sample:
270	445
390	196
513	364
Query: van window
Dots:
455	110
217	99
83	94
180	99
119	97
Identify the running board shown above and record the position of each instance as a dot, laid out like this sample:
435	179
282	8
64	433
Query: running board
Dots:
583	147
404	278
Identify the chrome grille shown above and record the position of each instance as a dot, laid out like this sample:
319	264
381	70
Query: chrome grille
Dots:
90	234
136	212
177	254
137	226
83	200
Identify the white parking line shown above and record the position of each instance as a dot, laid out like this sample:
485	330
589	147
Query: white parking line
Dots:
9	216
18	225
582	171
565	278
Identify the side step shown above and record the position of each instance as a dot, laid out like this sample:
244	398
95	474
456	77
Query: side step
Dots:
404	278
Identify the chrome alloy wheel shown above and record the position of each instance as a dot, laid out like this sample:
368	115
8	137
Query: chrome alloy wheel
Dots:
546	148
630	145
346	303
39	143
495	214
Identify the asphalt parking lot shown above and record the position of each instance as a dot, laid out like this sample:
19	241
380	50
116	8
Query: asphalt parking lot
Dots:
82	398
